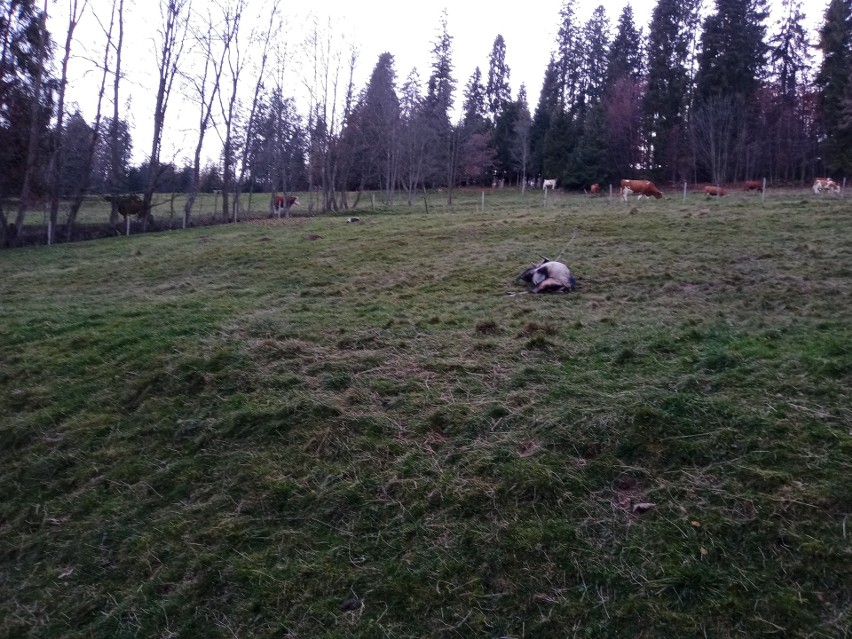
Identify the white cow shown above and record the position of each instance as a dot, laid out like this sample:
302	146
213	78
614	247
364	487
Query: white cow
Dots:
549	183
825	184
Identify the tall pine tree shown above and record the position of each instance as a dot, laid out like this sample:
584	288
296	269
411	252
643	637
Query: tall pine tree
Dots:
568	57
733	52
473	107
731	64
625	51
497	91
789	51
377	118
835	85
789	117
549	104
622	100
443	146
595	44
670	41
477	152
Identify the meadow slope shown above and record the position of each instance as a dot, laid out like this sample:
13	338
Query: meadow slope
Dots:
309	428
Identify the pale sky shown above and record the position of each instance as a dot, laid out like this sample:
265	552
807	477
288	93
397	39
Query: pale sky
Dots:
407	30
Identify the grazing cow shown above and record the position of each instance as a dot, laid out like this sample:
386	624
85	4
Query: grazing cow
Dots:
825	184
285	203
714	191
753	185
549	277
549	183
595	189
126	204
642	188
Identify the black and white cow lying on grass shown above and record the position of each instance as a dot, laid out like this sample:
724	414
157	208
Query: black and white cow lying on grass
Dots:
549	277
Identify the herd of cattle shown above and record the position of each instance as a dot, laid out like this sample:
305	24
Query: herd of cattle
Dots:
646	188
132	204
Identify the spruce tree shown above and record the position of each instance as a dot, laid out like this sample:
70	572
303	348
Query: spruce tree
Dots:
377	115
441	145
445	143
549	103
789	51
521	137
668	92
733	50
568	58
835	84
625	51
731	65
497	91
473	107
595	44
789	116
622	104
477	156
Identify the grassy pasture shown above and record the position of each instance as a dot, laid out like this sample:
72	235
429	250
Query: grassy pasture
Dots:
309	428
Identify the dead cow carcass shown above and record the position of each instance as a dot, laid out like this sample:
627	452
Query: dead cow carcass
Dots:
549	277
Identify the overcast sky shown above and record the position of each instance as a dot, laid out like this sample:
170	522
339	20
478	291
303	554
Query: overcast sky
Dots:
407	30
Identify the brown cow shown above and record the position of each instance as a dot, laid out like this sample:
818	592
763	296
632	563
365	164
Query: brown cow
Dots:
825	184
127	204
595	189
282	202
753	185
642	188
714	191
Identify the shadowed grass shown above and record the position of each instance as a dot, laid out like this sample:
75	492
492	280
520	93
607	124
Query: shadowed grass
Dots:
308	428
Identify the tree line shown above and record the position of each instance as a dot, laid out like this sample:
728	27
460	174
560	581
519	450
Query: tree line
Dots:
709	93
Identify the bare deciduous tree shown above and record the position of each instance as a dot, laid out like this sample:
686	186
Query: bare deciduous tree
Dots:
715	129
114	138
91	144
235	63
174	14
413	137
205	85
75	13
328	109
272	26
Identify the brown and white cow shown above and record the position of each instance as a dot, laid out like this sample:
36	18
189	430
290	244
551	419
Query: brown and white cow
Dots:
714	191
595	189
825	184
285	202
753	185
642	188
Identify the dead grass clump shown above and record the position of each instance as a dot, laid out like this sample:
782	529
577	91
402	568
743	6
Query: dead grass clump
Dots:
535	328
487	327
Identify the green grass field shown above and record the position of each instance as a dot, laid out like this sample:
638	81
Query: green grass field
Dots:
309	428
